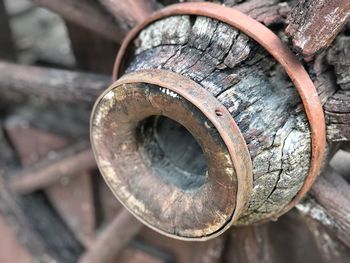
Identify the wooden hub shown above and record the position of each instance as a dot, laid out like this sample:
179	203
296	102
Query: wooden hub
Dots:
244	74
166	159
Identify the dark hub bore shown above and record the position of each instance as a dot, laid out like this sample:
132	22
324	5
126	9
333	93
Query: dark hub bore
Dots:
173	152
164	160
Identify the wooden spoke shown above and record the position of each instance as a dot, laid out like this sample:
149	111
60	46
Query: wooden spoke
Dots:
112	239
11	214
58	85
69	162
87	14
129	12
329	204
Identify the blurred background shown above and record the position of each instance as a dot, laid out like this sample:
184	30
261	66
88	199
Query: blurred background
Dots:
57	215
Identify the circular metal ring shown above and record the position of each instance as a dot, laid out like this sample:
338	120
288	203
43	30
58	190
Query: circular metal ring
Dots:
273	44
216	113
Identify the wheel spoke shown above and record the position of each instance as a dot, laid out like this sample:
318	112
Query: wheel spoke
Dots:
112	239
70	161
87	14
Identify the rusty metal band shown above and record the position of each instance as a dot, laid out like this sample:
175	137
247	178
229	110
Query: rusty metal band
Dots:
223	122
272	43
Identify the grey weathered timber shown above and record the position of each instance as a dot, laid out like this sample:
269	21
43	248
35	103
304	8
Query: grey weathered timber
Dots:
313	24
337	111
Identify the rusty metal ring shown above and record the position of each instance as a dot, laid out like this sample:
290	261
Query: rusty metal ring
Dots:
217	114
272	43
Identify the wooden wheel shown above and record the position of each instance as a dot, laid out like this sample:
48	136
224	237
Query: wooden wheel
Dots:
204	136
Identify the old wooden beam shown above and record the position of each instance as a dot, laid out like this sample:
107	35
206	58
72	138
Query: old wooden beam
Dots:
329	204
58	85
68	162
87	14
314	24
112	239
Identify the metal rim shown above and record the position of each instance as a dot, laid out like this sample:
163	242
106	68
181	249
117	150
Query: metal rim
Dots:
223	122
273	44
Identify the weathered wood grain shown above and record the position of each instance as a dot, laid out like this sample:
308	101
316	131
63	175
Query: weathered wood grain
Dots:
313	24
337	109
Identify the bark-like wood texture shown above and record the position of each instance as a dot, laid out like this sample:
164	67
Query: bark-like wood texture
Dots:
314	24
337	108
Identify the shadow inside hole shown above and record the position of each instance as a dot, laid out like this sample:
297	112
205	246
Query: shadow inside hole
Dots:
172	152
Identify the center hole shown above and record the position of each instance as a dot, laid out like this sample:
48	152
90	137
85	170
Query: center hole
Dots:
173	152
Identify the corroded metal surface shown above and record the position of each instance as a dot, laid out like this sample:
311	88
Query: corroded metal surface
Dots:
277	49
175	85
